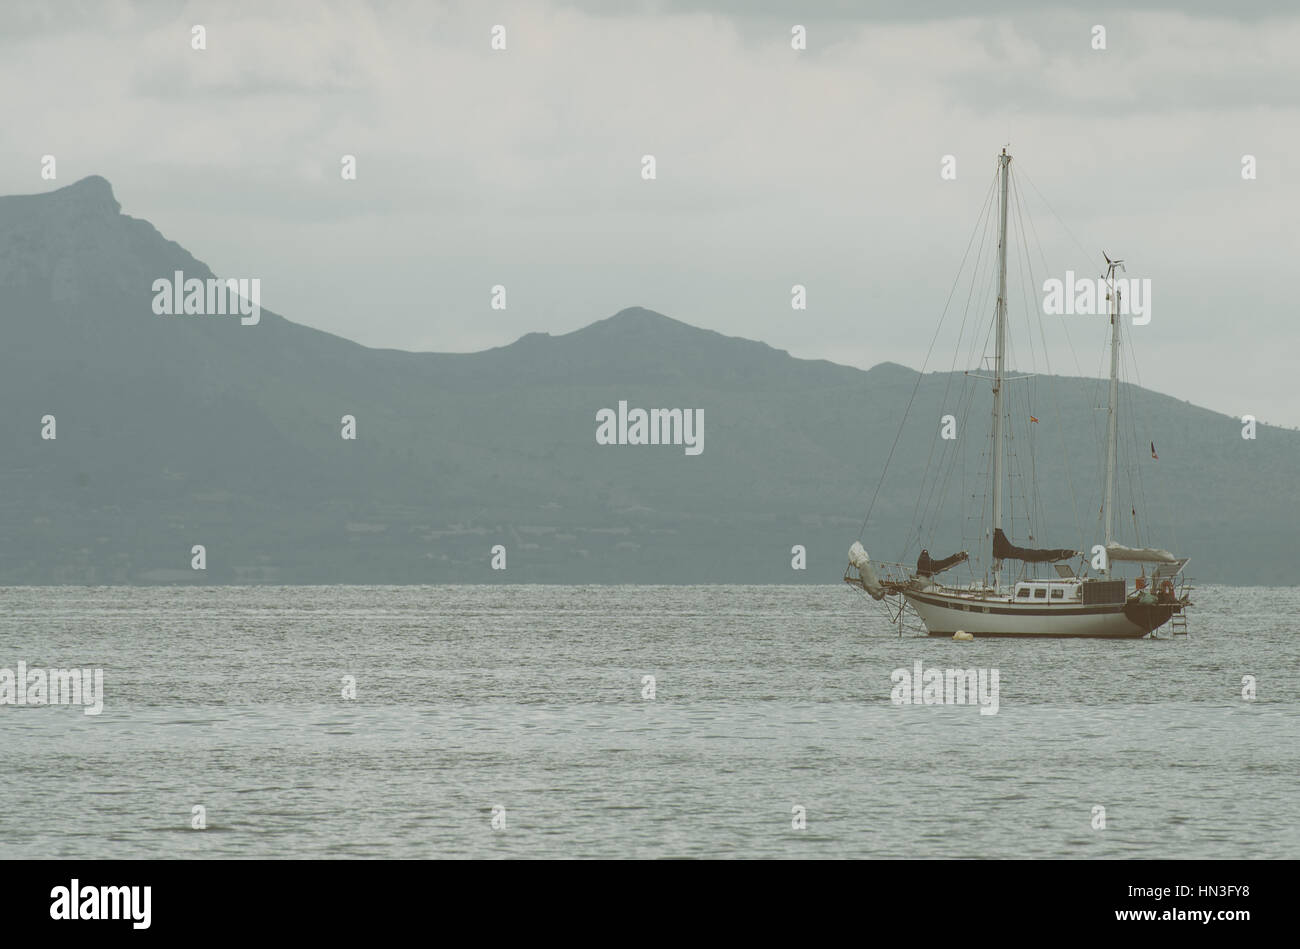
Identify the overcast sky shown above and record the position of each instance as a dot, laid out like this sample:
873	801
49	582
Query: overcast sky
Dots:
820	167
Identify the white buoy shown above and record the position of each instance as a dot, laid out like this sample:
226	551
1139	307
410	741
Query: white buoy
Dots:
962	636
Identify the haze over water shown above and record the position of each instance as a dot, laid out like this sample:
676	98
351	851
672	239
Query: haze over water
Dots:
530	698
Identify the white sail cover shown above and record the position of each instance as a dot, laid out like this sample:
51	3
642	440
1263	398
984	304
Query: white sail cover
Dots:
1140	554
870	582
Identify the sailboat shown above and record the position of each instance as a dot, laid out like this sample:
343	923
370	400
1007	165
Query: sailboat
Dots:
1011	599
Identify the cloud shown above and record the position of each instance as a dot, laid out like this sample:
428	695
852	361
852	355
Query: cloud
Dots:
776	167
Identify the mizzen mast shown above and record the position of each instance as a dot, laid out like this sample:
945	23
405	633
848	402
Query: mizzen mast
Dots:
1112	405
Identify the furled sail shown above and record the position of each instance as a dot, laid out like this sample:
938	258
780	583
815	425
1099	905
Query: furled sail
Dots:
927	566
1003	549
1140	554
870	582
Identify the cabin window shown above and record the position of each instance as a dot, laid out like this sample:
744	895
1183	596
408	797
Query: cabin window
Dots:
1058	594
1040	594
1023	591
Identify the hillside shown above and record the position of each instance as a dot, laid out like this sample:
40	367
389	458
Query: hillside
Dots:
182	430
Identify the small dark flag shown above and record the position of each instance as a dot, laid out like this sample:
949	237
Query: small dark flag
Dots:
1153	452
1032	419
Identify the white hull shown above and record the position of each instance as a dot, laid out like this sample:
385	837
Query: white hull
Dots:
944	614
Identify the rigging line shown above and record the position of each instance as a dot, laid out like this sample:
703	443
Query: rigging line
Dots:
1132	497
961	486
947	478
980	227
1074	355
1170	519
1047	361
1133	471
1033	501
1119	400
1137	376
925	512
977	544
986	219
1015	468
1025	272
919	376
960	454
1102	376
976	354
979	359
926	515
1141	483
989	294
1130	468
986	517
1049	207
952	369
1086	255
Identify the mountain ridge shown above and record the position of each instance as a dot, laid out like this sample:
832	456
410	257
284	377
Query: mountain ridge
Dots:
173	431
94	193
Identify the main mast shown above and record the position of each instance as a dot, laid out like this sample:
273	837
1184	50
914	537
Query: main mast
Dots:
1005	161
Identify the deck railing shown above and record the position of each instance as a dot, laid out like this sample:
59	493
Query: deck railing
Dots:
887	571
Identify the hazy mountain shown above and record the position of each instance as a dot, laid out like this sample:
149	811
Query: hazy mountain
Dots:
182	430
